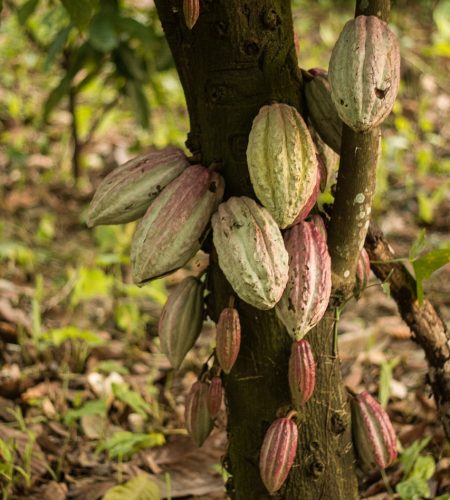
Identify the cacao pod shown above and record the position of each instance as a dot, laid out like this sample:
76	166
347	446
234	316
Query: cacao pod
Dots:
312	199
181	320
364	72
174	225
278	453
282	163
318	221
228	338
251	251
125	194
198	420
308	289
191	11
362	270
322	111
302	372
373	434
215	394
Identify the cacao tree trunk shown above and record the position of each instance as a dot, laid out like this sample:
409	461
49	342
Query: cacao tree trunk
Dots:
240	56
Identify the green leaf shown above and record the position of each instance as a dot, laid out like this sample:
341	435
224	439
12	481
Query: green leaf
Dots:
59	335
424	467
56	46
138	488
80	11
91	283
418	246
385	380
426	265
124	444
26	10
131	398
136	93
97	407
413	489
103	35
409	455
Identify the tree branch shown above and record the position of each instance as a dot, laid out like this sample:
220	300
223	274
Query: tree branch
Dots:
429	330
350	217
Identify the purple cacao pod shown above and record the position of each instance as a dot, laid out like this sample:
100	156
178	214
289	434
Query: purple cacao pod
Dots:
228	338
362	270
197	418
125	193
302	372
278	453
173	227
191	11
181	320
308	290
373	434
215	395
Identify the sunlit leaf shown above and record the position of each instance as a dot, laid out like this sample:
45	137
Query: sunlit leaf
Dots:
425	266
409	455
419	244
91	283
131	398
59	335
97	407
26	10
124	444
138	488
413	488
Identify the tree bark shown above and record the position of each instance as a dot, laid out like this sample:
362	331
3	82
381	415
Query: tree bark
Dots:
429	330
238	57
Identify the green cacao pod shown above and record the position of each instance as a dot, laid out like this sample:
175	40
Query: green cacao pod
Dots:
173	227
181	320
125	193
373	434
251	251
197	418
364	72
281	159
308	289
322	111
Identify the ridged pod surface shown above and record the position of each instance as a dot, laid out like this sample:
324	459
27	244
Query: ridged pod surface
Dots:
281	159
251	251
362	270
125	193
197	418
302	372
364	72
308	289
278	453
322	111
181	320
373	435
228	338
173	227
215	394
191	11
304	212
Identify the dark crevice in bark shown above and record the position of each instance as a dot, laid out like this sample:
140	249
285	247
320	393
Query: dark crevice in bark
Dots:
429	330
